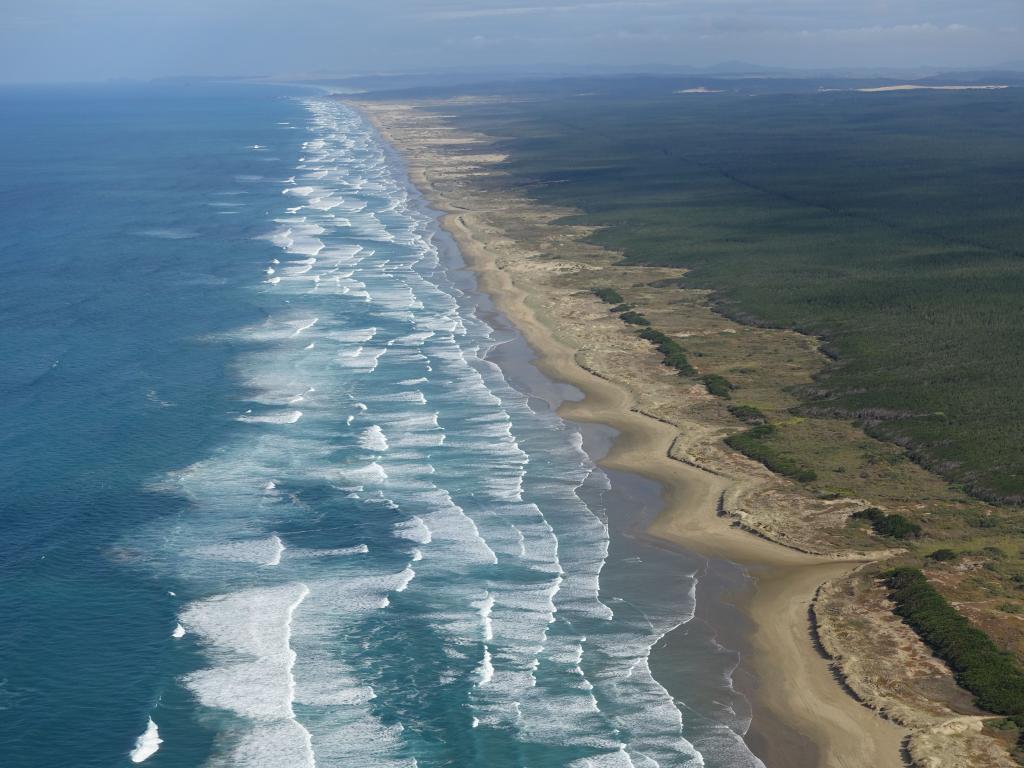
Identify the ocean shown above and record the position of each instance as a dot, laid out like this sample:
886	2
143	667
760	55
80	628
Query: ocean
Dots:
282	489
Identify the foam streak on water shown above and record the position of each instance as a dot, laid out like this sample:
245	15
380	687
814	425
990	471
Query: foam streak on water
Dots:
321	643
147	744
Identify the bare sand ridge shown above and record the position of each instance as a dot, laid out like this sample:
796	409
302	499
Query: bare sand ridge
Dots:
538	275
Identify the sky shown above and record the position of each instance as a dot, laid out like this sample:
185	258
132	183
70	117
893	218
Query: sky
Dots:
74	40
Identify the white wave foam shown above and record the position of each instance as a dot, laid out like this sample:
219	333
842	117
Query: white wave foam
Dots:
525	617
618	759
358	336
280	743
414	530
486	668
404	578
373	439
305	325
147	744
278	551
359	549
256	551
248	637
170	233
485	606
371	474
283	417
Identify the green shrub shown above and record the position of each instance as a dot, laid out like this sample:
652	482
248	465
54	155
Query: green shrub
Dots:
608	295
831	494
871	513
895	526
752	444
993	676
634	318
719	386
748	414
673	354
943	555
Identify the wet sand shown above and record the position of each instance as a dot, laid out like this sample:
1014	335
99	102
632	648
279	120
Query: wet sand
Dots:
700	662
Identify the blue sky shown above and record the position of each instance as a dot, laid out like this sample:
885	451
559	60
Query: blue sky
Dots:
99	39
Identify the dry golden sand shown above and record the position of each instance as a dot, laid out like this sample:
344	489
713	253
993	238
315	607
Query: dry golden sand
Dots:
897	677
538	274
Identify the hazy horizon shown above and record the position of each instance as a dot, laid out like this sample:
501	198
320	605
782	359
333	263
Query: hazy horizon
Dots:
62	40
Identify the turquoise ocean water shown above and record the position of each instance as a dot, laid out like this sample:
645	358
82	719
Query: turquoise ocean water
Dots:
269	500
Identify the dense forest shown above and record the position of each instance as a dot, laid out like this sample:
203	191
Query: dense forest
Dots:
889	224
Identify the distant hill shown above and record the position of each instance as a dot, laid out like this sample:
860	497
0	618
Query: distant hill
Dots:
982	76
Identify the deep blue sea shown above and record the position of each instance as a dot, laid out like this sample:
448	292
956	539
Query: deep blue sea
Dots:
268	498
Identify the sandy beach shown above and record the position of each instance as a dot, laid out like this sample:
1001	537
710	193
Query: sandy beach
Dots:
802	716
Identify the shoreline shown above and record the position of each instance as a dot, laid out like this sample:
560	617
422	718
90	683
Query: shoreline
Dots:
783	656
631	503
816	723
